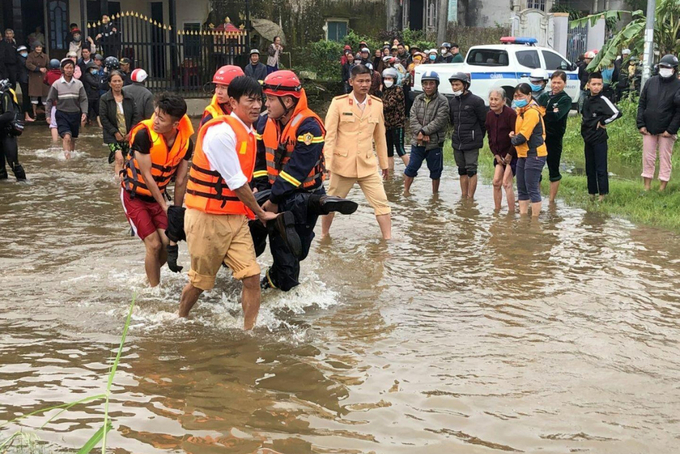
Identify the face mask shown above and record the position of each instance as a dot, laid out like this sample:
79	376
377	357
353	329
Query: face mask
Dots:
433	57
76	39
535	87
666	72
94	71
24	54
443	51
457	93
388	83
519	103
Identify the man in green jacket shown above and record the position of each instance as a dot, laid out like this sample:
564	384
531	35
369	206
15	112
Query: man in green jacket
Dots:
457	56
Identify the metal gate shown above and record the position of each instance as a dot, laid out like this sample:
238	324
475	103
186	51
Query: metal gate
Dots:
177	60
577	42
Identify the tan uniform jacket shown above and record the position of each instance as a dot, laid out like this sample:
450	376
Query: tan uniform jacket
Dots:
350	135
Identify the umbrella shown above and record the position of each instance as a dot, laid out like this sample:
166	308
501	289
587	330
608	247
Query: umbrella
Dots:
268	29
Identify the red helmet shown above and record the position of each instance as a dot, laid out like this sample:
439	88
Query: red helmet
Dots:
282	83
226	74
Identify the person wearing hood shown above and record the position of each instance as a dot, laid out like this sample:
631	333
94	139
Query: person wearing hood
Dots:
347	50
92	82
36	63
77	44
658	120
395	116
538	80
468	116
445	53
142	96
428	121
22	80
256	70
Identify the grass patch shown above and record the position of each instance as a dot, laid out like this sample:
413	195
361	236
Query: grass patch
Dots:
626	198
30	443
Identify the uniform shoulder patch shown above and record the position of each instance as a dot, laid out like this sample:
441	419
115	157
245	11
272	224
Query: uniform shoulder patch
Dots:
307	138
375	98
341	96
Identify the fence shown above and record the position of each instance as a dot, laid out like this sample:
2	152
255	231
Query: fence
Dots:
577	42
178	60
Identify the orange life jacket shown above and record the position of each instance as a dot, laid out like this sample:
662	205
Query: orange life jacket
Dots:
274	139
206	189
164	161
215	109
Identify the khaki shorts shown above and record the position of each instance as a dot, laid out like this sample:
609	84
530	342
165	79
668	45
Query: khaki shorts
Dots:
214	239
372	187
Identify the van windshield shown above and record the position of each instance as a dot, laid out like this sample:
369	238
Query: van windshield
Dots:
487	57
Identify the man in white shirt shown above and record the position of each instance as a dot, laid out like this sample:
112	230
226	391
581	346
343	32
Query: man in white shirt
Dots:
219	202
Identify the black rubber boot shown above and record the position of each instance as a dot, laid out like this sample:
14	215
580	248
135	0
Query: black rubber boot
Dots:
19	172
325	204
284	225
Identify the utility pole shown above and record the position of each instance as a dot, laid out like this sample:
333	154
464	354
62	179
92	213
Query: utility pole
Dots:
648	57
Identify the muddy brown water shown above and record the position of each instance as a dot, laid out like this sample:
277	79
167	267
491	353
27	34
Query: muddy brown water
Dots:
470	332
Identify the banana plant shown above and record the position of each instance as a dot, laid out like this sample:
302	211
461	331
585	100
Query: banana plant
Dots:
666	29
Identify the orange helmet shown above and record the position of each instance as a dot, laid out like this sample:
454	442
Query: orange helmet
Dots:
226	74
282	83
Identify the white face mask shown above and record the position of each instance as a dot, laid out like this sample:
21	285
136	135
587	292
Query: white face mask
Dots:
443	51
388	83
665	72
457	93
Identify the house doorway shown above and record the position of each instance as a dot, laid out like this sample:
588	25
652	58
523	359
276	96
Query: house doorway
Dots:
415	15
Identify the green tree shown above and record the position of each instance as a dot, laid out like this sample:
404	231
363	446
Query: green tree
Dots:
666	32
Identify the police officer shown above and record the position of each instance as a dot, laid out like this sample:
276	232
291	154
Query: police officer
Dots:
9	130
289	174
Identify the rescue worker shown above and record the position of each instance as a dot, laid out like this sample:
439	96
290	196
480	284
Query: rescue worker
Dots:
9	130
353	123
290	169
219	201
160	149
220	105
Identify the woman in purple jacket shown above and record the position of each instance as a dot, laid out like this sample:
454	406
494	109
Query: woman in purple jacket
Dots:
500	121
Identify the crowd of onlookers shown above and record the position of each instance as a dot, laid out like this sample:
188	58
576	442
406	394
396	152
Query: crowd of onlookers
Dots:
525	133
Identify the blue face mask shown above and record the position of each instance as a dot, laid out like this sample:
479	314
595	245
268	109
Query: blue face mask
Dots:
535	87
94	71
433	57
519	103
24	54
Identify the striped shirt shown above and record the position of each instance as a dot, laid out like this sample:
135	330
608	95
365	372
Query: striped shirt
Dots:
69	96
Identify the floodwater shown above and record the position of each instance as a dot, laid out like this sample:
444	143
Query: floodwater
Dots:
470	332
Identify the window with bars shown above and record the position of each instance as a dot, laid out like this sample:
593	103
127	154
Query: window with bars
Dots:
536	4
